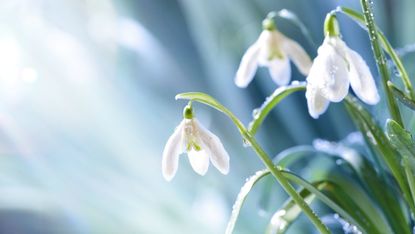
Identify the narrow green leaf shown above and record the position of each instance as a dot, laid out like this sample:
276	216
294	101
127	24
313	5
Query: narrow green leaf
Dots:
271	101
400	138
375	185
408	165
343	204
378	141
374	136
284	217
208	100
404	144
401	96
352	217
243	193
296	179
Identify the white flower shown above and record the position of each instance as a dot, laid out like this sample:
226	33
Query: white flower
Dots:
273	50
200	145
335	68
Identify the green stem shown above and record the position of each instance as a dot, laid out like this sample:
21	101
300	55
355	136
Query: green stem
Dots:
248	138
380	60
276	172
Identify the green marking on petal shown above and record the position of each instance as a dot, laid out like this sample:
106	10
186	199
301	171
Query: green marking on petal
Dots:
188	111
193	145
275	54
331	26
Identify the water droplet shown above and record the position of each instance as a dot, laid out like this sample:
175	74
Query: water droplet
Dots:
295	82
371	138
262	213
347	227
255	113
246	143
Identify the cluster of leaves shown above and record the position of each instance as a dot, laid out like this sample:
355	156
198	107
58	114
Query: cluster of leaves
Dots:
376	195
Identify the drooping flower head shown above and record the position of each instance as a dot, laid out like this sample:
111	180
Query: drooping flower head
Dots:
273	50
200	145
335	68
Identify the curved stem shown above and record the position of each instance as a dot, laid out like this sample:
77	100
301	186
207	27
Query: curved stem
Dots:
380	60
278	95
276	172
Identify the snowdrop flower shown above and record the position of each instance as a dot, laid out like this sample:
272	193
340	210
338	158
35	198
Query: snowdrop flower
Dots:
273	50
200	145
335	68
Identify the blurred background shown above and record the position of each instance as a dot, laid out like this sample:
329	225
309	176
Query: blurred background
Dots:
87	103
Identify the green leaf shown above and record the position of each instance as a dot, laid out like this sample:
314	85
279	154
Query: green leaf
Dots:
353	206
401	96
373	183
271	101
378	141
343	204
208	100
243	193
404	144
296	179
400	138
284	217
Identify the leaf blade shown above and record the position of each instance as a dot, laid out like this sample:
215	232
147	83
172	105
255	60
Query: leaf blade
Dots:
378	141
242	195
284	217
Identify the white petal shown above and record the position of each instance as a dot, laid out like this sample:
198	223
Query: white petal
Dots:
171	152
361	79
217	153
199	160
280	71
329	73
268	43
297	54
316	103
248	66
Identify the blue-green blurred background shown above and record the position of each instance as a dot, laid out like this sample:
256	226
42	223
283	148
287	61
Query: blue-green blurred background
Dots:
87	103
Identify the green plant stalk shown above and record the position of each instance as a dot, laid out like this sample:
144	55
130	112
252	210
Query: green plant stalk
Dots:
387	47
380	60
285	184
208	100
276	97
